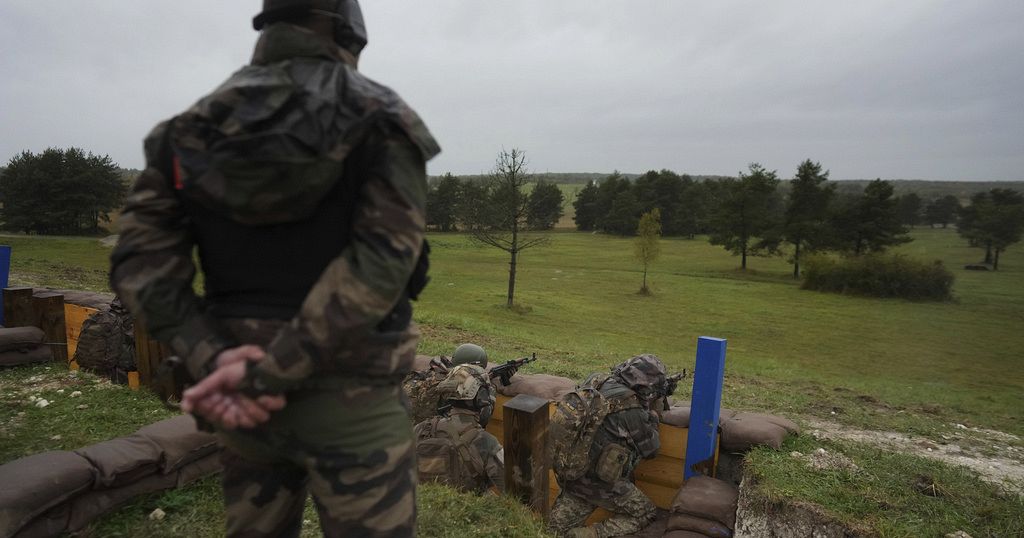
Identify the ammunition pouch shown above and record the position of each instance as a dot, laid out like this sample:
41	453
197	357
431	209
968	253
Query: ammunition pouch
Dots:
612	462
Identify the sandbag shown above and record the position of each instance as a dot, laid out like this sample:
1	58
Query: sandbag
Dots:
707	498
179	441
699	525
200	468
741	430
90	299
677	416
548	387
92	504
32	485
122	461
16	357
20	338
421	362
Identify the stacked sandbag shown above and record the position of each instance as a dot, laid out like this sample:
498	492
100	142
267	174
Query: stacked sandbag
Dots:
23	345
58	492
90	299
548	387
704	506
740	430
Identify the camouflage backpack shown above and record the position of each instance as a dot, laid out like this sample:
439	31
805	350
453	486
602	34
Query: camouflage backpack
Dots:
105	343
576	420
421	388
445	454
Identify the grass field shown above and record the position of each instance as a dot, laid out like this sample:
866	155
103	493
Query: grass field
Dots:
916	368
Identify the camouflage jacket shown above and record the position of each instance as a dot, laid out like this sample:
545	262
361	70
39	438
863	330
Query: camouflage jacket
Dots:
262	150
635	429
485	444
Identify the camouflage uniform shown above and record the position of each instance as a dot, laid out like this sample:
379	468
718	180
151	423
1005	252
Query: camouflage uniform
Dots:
634	428
421	388
303	185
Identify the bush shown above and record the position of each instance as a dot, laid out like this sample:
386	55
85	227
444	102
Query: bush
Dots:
879	275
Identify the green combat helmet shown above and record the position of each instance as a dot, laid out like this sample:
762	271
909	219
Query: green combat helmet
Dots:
470	354
468	387
349	27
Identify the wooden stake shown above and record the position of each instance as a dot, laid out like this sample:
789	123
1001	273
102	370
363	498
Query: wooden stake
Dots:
526	451
49	312
18	307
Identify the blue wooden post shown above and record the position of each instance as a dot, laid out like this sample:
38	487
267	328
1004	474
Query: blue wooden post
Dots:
5	273
705	404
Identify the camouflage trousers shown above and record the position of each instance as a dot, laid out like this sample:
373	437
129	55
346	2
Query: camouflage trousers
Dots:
630	513
350	445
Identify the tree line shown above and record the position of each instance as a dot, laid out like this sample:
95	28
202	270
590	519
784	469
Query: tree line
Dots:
753	214
60	191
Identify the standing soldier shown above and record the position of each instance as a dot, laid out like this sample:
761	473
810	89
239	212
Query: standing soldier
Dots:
455	449
598	440
302	183
421	386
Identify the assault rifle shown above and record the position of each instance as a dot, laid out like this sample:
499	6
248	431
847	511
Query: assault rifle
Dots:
670	386
509	369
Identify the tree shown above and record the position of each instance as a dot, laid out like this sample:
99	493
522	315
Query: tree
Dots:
805	223
502	224
908	207
471	208
994	219
608	192
585	206
544	206
443	201
60	191
869	222
746	211
942	210
646	247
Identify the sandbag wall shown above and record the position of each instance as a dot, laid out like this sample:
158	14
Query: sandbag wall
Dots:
55	492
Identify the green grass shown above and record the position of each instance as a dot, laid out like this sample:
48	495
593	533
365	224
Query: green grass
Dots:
912	367
880	494
789	349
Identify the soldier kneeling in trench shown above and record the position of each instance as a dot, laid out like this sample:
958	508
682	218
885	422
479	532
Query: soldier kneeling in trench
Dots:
454	448
422	386
599	434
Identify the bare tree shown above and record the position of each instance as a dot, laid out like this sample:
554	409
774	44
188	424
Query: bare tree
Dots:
503	223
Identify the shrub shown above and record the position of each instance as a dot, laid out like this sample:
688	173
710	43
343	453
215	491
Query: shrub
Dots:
879	275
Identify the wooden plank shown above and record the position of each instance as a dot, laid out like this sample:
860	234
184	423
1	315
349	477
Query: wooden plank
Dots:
49	311
74	317
527	461
18	307
705	405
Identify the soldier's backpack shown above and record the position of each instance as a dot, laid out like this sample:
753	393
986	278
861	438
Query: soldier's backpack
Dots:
577	418
105	344
445	454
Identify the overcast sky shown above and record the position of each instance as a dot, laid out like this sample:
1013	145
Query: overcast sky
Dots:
914	89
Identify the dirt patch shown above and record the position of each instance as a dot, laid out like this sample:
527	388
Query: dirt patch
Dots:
757	517
1005	469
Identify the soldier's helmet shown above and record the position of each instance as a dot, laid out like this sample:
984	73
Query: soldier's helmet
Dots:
349	27
645	375
470	354
469	386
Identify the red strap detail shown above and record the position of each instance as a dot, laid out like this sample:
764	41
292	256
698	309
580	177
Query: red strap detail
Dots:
176	169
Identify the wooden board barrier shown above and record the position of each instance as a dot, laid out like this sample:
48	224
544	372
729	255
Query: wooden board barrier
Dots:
48	308
74	317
